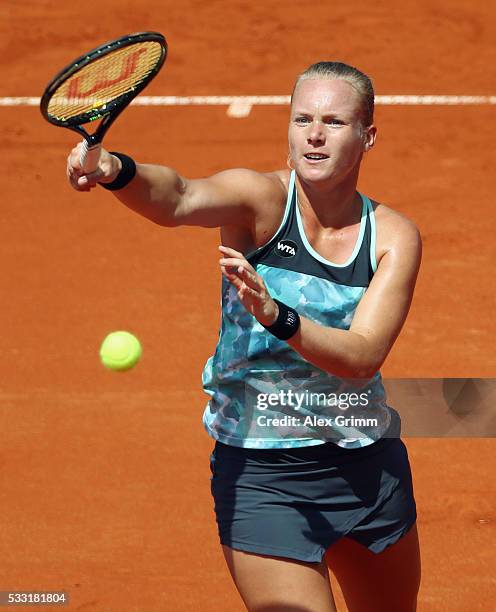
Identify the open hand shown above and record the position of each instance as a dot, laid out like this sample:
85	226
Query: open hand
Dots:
250	286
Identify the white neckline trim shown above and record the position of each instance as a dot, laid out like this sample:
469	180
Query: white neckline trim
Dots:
319	257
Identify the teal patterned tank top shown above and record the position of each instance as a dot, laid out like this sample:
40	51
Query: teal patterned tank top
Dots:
263	394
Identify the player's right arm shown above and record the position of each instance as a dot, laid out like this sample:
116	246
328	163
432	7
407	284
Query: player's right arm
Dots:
160	194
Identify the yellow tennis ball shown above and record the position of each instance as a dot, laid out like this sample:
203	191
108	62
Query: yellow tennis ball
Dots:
120	351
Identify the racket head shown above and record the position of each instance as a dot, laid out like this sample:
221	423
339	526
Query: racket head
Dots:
102	82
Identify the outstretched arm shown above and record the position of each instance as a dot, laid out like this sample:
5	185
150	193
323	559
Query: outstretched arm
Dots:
166	198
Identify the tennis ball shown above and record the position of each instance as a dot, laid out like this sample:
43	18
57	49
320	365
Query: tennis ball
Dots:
120	351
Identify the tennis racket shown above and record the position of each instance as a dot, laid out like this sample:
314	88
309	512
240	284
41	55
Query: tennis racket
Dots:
99	85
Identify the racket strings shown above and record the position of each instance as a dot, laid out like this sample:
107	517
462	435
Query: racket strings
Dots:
104	80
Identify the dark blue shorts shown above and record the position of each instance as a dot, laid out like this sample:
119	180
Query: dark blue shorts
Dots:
297	502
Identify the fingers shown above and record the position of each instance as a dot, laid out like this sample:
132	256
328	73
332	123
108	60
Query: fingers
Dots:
251	280
81	182
238	268
108	167
248	291
233	258
242	275
78	180
249	285
229	251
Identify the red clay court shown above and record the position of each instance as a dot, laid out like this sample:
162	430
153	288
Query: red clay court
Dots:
104	477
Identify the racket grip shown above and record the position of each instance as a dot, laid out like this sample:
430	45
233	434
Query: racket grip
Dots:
90	156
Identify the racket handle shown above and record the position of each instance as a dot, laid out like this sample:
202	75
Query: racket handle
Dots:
90	156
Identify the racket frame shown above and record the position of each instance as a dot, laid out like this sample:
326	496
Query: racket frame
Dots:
114	108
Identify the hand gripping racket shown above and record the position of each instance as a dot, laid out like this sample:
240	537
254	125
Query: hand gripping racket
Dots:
99	85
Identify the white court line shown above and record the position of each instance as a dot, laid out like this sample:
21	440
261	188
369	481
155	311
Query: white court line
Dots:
240	106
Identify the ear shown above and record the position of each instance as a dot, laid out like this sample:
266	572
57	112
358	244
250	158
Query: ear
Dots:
369	136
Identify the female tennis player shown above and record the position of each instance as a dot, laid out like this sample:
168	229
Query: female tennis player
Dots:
308	470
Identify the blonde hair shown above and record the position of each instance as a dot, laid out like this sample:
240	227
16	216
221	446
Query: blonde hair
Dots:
358	80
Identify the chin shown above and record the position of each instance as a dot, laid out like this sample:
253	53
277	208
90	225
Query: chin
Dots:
315	176
327	178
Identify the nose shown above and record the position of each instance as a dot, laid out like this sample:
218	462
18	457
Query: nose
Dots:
316	133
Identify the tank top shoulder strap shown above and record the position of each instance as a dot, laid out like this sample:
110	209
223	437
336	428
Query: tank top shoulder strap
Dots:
370	238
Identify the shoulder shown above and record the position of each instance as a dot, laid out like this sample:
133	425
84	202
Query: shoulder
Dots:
262	196
251	184
396	233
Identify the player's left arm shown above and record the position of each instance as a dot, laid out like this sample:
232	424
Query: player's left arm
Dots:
360	351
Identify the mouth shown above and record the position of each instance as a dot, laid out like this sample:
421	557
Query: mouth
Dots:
314	158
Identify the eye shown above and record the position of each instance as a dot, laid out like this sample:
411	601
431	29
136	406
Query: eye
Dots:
301	119
334	121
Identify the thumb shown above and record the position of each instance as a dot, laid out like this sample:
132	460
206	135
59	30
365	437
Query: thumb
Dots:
90	179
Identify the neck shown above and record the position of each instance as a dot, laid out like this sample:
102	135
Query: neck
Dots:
330	207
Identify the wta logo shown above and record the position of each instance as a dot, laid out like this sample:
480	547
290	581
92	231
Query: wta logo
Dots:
286	248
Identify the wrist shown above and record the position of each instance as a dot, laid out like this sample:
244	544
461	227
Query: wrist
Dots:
286	324
125	172
116	169
272	317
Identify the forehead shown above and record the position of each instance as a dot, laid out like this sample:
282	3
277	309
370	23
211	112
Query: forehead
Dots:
326	96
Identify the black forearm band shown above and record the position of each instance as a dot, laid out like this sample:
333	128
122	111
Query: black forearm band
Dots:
287	322
126	174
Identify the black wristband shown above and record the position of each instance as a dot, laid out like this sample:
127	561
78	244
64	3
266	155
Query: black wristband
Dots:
287	322
126	174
